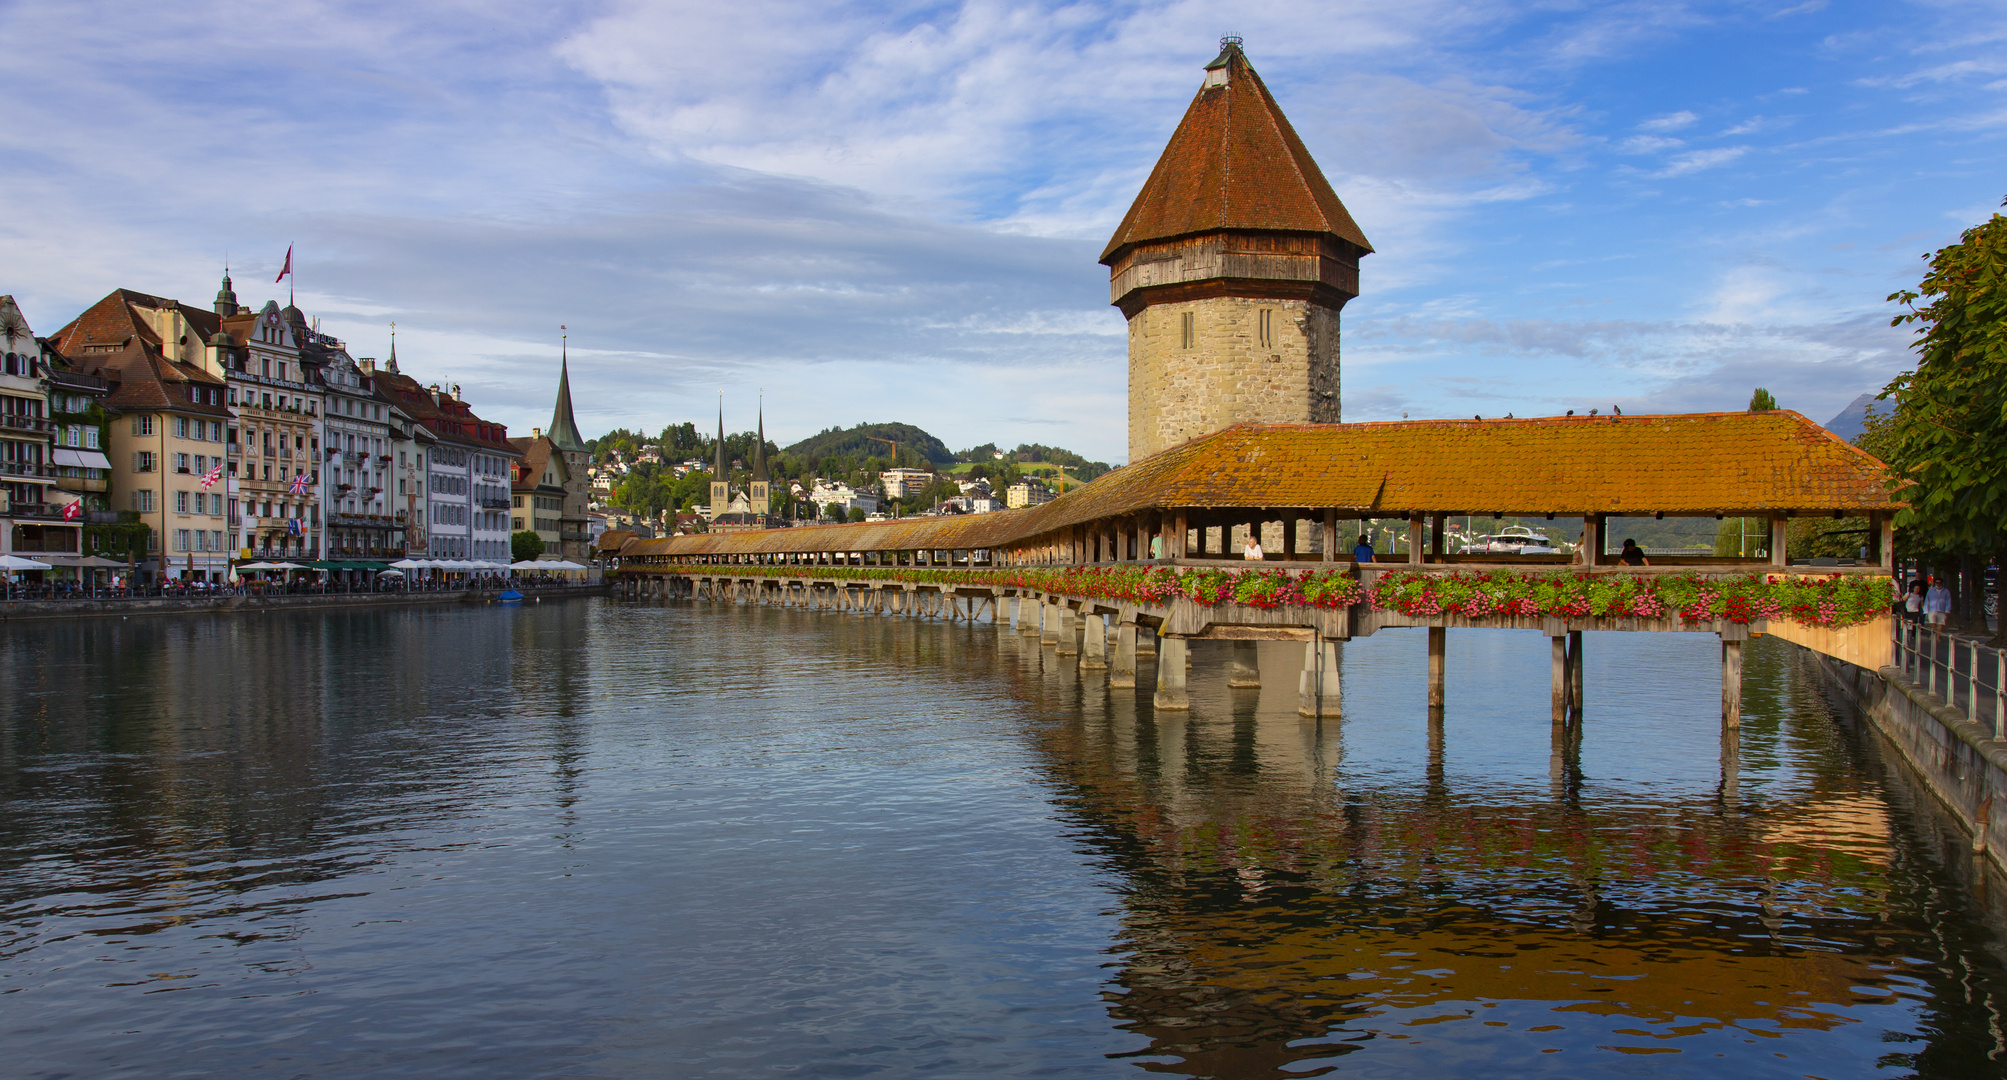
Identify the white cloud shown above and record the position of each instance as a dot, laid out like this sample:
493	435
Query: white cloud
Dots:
1670	122
1649	144
1697	160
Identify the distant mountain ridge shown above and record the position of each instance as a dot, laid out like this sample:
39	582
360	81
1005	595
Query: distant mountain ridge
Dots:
854	443
1853	419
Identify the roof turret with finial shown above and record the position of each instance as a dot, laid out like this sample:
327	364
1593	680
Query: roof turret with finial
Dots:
226	297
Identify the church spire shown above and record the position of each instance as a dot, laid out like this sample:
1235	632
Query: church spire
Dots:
564	428
391	365
760	447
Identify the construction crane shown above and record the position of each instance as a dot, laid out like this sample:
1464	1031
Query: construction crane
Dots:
889	442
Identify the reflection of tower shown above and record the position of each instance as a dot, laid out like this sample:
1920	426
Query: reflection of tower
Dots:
761	493
1231	268
721	481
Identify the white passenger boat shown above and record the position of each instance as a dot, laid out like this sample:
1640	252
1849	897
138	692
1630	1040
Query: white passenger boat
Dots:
1512	540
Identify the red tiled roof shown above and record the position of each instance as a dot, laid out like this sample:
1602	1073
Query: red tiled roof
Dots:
1234	163
141	379
445	417
1691	463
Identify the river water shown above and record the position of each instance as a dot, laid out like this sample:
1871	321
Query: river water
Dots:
685	839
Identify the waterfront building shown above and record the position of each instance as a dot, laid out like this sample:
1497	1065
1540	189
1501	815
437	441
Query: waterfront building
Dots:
464	475
28	512
363	518
170	425
276	494
538	492
82	436
1231	268
573	460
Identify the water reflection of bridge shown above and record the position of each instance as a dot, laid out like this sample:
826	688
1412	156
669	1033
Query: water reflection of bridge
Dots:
1286	903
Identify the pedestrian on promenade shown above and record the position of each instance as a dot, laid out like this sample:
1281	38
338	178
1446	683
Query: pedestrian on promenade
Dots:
1363	550
1252	552
1912	601
1936	603
1633	555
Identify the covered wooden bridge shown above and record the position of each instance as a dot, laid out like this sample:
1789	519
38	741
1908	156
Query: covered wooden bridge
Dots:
1308	488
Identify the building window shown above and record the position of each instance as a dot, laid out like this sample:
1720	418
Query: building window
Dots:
142	501
142	425
180	427
1266	327
90	438
216	505
181	506
181	463
143	461
1187	328
181	539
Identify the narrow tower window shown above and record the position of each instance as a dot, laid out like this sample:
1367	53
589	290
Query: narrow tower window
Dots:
1266	325
1187	330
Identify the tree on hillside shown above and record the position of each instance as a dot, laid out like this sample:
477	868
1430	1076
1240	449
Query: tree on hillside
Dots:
1947	440
1761	401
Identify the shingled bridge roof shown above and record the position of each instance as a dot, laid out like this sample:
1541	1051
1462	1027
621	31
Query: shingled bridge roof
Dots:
1690	463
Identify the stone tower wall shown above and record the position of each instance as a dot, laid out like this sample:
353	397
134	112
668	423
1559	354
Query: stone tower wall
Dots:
1228	375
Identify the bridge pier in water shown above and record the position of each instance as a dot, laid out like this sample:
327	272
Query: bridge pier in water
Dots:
1094	644
1171	694
1123	673
1317	687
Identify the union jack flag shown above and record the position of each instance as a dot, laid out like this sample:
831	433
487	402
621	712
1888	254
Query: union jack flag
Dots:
300	483
210	478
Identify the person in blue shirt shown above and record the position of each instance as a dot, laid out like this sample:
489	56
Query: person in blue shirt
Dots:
1363	550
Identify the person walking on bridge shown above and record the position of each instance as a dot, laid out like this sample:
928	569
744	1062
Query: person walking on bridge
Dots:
1362	551
1633	555
1936	603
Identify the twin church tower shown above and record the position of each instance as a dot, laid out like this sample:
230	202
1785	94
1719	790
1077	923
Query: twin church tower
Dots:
1231	267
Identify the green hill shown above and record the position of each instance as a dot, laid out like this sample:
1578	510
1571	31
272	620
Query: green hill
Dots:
853	443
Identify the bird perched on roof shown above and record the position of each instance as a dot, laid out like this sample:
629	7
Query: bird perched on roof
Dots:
1478	417
1508	416
1592	412
1618	409
1571	412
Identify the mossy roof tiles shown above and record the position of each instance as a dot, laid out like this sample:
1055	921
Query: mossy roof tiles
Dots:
1689	463
1234	163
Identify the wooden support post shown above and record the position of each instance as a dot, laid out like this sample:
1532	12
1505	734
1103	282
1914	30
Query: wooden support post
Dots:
1415	541
1094	644
1317	688
1123	673
1436	539
1778	556
1438	654
1731	683
1330	535
1733	635
1558	704
1069	638
1575	673
1244	669
1885	538
1171	695
1289	534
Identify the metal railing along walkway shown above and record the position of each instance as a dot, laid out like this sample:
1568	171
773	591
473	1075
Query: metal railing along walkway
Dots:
1965	672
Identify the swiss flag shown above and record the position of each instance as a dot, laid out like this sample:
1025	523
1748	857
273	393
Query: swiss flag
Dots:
73	511
289	266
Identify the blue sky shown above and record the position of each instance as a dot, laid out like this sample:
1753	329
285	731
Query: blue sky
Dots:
892	211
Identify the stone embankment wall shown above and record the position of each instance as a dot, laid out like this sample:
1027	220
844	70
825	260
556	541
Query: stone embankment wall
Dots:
1959	761
72	609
